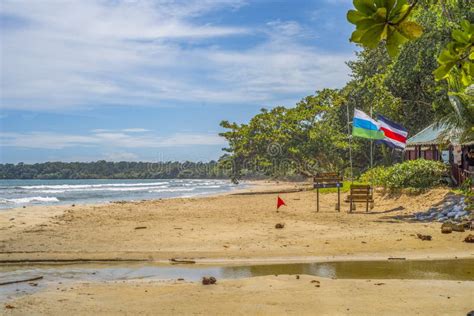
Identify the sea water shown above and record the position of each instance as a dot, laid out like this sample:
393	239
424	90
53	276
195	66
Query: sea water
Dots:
17	193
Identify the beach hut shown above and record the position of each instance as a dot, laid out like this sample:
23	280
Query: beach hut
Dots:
435	142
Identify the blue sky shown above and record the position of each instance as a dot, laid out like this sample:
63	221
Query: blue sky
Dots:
151	80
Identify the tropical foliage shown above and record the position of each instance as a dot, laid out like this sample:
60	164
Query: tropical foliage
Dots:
391	21
404	47
412	174
111	170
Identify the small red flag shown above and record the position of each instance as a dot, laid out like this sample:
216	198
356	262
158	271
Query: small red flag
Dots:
280	202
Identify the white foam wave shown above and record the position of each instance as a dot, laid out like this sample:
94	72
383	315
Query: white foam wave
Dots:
29	200
171	190
101	189
84	186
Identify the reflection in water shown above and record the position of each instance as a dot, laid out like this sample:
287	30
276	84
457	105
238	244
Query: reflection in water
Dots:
435	269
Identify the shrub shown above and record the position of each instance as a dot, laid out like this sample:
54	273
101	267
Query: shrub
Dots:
411	174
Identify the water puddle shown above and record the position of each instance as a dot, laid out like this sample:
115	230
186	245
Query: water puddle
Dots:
461	269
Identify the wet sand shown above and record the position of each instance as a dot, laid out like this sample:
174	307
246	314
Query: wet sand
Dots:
271	295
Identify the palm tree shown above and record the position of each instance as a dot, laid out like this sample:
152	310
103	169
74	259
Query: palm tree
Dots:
460	120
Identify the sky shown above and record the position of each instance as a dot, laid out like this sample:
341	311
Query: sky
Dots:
151	80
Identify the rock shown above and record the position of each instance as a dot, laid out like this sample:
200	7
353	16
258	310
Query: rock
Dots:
469	238
458	227
8	306
208	281
424	237
279	226
446	230
453	226
466	224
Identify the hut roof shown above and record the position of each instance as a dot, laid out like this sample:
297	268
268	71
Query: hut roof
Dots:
434	134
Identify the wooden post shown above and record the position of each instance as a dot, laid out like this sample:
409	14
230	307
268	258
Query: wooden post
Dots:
338	199
367	204
317	199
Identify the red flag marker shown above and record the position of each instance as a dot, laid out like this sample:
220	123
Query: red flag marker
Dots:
280	202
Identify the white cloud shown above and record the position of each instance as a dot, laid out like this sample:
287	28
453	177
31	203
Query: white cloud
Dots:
73	54
120	156
48	140
135	130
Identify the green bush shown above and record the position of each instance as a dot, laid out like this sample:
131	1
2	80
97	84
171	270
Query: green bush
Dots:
411	174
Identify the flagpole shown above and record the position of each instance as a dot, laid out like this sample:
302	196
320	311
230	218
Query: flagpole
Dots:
350	139
371	144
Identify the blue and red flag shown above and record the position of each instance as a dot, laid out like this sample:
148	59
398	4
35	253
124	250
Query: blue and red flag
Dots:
395	134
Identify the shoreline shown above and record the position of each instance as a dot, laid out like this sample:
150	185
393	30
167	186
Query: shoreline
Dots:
251	187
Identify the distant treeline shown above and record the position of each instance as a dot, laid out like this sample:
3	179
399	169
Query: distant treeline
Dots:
113	170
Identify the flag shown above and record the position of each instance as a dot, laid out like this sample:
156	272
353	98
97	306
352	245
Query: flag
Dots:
395	134
280	202
366	127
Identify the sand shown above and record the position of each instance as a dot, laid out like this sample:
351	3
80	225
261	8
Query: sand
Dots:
234	228
270	295
228	227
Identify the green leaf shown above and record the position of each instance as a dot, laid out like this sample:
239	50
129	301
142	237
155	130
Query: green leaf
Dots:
365	6
366	24
442	71
354	16
460	36
410	30
466	25
447	56
372	36
394	40
471	55
389	4
466	78
381	14
399	5
399	13
356	36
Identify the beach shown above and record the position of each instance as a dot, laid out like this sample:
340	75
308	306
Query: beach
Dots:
239	227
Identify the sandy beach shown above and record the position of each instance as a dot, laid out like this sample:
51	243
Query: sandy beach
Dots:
238	228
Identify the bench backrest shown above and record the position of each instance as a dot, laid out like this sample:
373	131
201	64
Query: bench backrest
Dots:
361	191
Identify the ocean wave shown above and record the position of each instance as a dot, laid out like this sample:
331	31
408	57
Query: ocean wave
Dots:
29	200
171	190
85	186
100	189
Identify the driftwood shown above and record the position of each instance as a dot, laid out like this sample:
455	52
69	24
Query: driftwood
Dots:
19	261
174	260
273	192
21	281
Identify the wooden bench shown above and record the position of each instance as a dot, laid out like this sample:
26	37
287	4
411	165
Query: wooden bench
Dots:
360	193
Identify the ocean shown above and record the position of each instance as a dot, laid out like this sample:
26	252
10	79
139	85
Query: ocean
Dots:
17	193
